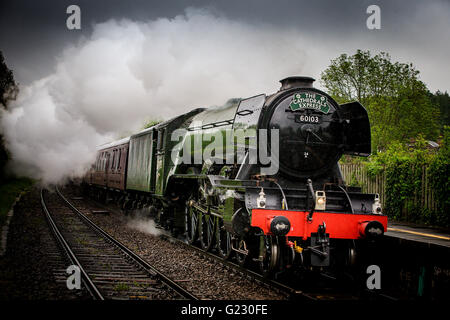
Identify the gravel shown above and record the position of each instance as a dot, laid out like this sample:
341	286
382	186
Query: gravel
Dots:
33	267
205	278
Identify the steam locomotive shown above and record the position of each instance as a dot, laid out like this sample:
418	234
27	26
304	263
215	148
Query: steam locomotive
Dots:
256	180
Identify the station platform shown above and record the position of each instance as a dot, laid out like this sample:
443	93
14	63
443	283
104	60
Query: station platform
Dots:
422	234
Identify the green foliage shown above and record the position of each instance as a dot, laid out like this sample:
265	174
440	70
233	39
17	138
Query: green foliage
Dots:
440	179
121	287
398	103
9	191
8	92
441	101
150	123
354	182
363	76
375	168
402	117
4	156
8	87
403	166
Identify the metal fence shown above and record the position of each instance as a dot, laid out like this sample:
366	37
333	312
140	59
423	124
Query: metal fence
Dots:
356	175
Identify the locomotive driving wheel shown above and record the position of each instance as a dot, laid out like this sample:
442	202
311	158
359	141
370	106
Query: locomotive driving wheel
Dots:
269	255
207	232
223	241
191	224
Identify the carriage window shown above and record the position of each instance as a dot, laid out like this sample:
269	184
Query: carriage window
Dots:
247	114
104	161
100	163
107	162
118	167
113	160
160	143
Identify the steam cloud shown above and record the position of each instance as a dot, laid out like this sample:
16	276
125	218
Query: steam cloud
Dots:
126	72
144	224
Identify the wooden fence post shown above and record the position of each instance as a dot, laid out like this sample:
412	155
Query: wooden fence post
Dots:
377	184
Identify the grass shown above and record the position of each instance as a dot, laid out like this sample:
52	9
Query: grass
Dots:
121	287
9	191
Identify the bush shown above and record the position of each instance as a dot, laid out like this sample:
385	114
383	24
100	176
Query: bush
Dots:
9	191
403	167
440	179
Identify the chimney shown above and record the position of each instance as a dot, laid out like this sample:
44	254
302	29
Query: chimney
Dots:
294	82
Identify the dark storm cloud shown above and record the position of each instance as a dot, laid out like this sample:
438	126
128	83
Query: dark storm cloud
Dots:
137	60
33	33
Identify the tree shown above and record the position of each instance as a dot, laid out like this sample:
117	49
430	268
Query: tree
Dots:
8	87
8	92
151	123
440	178
397	101
441	100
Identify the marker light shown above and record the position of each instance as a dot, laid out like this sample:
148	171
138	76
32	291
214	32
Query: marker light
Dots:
321	200
376	207
261	200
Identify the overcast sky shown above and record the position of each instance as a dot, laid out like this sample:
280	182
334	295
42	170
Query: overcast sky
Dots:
134	61
33	33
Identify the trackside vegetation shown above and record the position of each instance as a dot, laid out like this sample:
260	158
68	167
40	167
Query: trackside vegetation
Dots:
404	168
10	189
410	133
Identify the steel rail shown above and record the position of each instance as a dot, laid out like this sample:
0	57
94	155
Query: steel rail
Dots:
279	287
91	287
141	262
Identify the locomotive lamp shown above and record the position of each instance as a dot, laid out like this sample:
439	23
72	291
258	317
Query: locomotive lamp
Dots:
321	200
376	206
261	201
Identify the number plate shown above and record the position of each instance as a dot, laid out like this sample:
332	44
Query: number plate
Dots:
301	118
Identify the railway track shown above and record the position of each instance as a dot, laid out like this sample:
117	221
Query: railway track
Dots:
329	292
278	291
288	292
292	293
109	270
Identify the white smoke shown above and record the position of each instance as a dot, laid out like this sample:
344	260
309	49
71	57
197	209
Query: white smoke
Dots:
145	225
127	72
